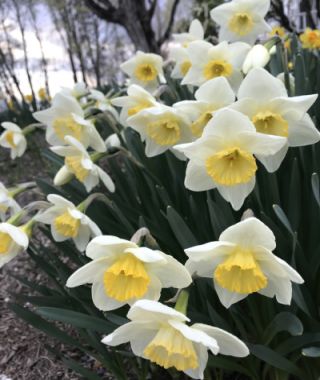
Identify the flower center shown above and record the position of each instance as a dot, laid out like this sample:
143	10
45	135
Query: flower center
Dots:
184	67
164	131
127	278
197	126
270	123
169	348
10	138
74	164
217	68
67	126
241	23
240	273
146	72
139	107
67	225
5	242
231	166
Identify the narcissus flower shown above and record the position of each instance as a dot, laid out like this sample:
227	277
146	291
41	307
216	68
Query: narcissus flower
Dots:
160	334
144	69
13	240
161	127
121	272
258	56
195	33
14	139
7	203
223	157
103	103
68	222
79	163
209	62
310	39
278	30
241	20
210	97
66	118
242	263
182	62
263	98
137	100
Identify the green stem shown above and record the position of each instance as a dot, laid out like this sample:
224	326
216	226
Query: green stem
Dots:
182	302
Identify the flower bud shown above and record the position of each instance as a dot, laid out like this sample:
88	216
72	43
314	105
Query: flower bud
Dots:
258	56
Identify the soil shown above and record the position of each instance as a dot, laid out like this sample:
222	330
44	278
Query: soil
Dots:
22	352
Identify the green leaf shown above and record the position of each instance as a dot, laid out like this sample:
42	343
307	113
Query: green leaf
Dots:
77	319
75	366
284	321
315	187
311	352
283	218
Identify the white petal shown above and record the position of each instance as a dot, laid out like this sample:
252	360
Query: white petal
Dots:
197	178
88	273
273	162
228	343
228	298
279	287
237	194
96	141
303	132
106	179
250	233
147	255
60	201
107	246
216	90
82	239
261	143
101	300
16	234
202	355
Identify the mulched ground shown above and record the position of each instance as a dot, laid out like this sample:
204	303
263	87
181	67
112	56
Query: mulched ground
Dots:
22	352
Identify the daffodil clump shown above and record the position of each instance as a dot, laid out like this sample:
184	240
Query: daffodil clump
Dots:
201	236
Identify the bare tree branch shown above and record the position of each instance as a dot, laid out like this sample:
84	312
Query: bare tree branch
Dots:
167	33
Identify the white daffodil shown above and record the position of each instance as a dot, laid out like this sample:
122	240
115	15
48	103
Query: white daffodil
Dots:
7	203
13	240
263	98
66	118
241	20
14	139
242	262
79	163
195	33
122	272
103	103
160	334
144	69
223	157
161	128
136	100
209	61
210	97
182	62
258	56
77	91
68	222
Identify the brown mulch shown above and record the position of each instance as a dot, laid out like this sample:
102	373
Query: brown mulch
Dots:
22	352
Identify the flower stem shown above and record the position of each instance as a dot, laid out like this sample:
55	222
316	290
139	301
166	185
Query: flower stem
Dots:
182	302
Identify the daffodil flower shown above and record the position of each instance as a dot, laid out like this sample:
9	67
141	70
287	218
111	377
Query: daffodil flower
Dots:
161	128
66	118
68	222
122	272
264	99
224	156
14	139
13	240
241	20
78	91
144	69
7	203
210	97
137	100
310	39
242	263
103	103
160	334
182	61
79	163
212	61
195	33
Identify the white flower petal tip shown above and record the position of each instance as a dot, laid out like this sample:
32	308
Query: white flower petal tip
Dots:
122	273
67	222
153	325
242	263
224	156
241	20
13	139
